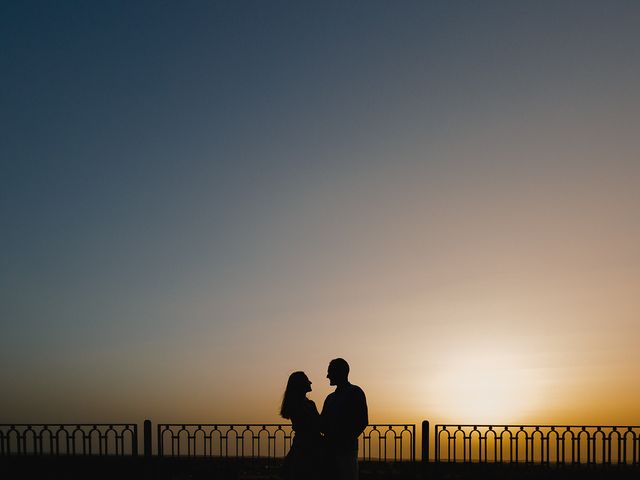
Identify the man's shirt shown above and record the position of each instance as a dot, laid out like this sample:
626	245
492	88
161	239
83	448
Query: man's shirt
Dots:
344	417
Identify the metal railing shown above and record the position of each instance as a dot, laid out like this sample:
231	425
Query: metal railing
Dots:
547	444
379	442
220	440
69	439
388	442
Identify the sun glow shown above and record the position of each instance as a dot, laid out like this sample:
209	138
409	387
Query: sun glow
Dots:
487	387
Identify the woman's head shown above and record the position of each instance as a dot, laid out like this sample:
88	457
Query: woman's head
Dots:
299	383
297	387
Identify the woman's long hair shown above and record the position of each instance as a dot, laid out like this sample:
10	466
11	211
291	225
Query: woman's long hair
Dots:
294	395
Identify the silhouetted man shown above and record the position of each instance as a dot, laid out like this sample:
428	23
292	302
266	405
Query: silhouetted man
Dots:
344	417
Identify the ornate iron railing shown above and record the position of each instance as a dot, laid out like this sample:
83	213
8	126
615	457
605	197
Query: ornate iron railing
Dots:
224	440
69	439
555	444
388	442
559	444
385	442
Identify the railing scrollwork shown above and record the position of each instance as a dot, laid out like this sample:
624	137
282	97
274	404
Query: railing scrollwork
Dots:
69	439
557	444
384	442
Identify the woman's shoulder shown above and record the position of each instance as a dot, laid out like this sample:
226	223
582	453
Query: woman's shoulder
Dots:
304	408
312	405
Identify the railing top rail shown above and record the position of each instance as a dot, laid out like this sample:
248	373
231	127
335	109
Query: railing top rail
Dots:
88	424
273	424
226	424
561	425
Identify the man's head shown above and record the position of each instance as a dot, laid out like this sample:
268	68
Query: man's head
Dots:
338	371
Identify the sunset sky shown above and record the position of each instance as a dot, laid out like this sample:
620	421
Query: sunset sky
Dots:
198	198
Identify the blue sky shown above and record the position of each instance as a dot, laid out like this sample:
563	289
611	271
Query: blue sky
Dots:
183	182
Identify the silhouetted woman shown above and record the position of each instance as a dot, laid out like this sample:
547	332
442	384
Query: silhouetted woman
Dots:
305	456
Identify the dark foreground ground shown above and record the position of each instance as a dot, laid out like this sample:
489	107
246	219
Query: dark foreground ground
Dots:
139	468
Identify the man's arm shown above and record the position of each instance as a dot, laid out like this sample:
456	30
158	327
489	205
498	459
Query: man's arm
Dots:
362	412
359	412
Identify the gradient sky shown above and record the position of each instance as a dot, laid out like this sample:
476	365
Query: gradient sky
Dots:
198	198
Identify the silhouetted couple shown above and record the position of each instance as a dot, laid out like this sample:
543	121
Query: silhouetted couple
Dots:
325	445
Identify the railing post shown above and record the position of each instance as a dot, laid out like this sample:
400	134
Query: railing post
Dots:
147	438
425	441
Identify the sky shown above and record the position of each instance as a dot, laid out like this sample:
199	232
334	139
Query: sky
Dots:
199	198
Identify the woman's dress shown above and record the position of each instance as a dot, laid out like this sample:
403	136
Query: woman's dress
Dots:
304	459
